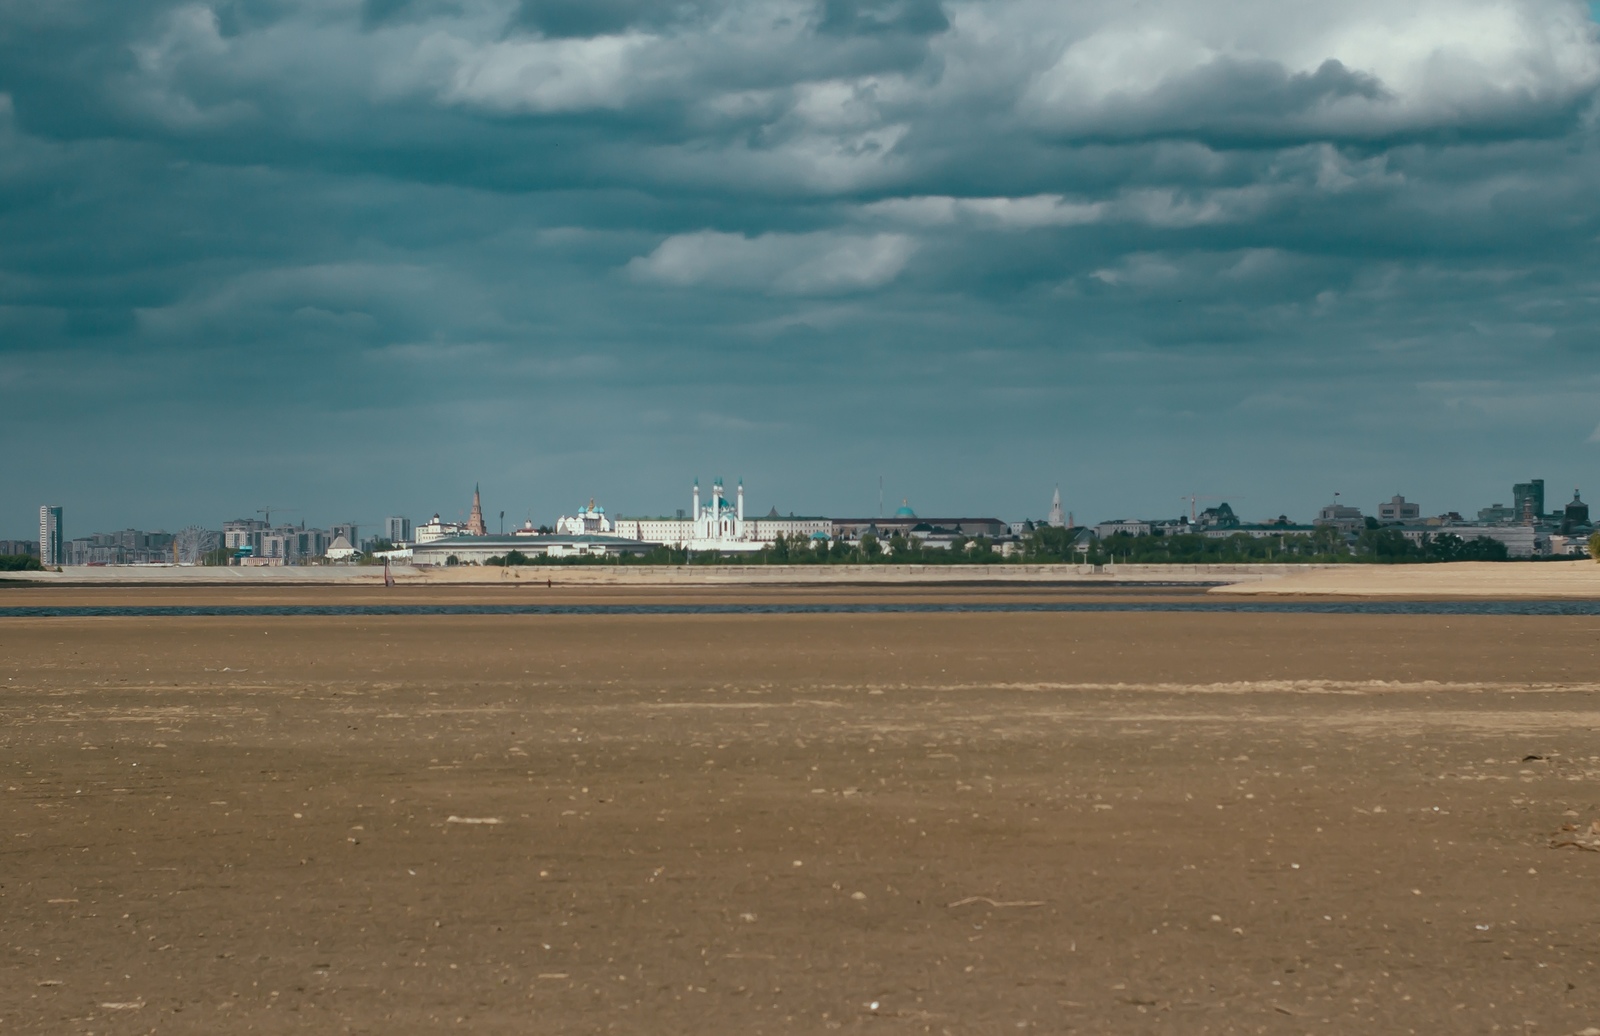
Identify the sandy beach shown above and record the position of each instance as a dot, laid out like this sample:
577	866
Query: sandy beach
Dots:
1488	580
650	575
1151	822
1481	579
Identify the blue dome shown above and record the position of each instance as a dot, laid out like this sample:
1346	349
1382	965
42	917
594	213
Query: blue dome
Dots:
904	512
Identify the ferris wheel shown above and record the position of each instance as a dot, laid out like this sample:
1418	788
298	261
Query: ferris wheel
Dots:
194	543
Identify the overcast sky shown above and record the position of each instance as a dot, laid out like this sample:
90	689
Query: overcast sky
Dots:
348	257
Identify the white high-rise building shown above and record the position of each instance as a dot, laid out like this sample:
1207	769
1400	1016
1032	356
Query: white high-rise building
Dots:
52	545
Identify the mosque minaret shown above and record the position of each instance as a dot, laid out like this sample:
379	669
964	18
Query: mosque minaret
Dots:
717	523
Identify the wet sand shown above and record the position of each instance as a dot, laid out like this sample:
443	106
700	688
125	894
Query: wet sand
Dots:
277	594
648	576
1153	822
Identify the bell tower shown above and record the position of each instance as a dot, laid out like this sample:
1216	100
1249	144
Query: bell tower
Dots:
475	526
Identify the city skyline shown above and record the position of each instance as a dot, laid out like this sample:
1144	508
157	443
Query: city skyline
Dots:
1554	499
1254	251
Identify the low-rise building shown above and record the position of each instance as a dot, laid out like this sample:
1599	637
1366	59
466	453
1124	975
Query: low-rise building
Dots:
935	531
931	531
478	550
1399	509
674	532
1521	541
1259	531
1569	546
127	547
769	527
340	549
436	528
1218	517
1345	519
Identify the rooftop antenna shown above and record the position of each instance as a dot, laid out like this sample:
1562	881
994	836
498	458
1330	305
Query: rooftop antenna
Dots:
266	512
1194	498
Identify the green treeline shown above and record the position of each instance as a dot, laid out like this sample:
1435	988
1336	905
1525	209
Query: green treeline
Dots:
797	550
1325	545
19	563
1057	546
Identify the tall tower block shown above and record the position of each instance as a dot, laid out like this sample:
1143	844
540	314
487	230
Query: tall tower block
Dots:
52	545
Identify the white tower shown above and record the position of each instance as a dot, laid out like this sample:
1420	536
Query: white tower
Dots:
739	514
52	545
694	515
1056	521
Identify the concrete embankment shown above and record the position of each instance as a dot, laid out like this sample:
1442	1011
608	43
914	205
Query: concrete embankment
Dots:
663	575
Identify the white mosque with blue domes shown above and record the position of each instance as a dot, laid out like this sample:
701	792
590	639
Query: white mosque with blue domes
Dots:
718	523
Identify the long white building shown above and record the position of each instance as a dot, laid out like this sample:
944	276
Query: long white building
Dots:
436	528
720	525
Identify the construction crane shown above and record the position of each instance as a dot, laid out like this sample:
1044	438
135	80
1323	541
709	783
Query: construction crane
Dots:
266	512
1194	500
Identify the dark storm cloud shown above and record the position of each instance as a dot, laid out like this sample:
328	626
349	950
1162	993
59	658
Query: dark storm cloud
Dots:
851	17
331	249
581	18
